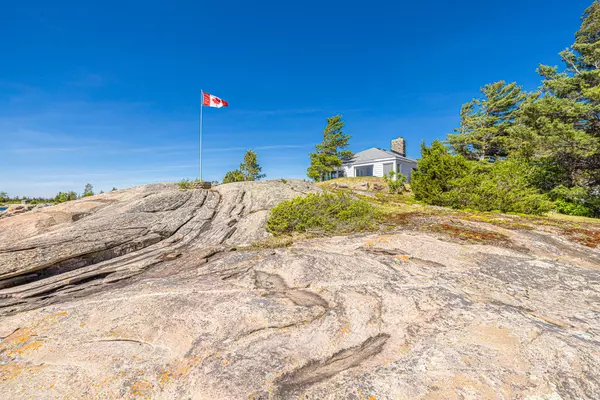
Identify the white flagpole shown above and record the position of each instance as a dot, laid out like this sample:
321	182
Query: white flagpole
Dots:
200	140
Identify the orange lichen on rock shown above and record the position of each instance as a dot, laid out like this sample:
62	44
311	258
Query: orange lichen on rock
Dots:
469	234
141	389
12	371
587	237
177	370
21	341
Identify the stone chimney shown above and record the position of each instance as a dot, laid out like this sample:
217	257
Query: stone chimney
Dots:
399	146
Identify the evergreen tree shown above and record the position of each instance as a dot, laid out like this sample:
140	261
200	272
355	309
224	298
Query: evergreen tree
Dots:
3	197
62	197
484	127
329	155
565	119
436	172
250	167
88	190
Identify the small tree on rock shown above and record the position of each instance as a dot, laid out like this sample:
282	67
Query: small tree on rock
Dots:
88	190
249	170
250	167
329	155
233	176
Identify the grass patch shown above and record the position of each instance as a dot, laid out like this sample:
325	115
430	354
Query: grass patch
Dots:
271	242
186	184
329	213
469	234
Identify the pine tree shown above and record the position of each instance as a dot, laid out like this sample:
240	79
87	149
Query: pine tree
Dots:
328	156
250	167
437	170
484	128
88	190
565	119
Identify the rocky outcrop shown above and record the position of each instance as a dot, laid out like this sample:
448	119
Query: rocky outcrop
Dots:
17	209
139	294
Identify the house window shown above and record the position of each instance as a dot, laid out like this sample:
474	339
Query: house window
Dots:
363	171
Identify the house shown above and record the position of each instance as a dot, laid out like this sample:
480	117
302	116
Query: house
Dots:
379	162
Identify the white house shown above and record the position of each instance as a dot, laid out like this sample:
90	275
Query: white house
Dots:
379	162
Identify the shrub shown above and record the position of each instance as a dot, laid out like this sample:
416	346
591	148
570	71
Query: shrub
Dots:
570	208
575	201
435	173
62	197
503	185
395	182
452	181
188	183
322	212
234	176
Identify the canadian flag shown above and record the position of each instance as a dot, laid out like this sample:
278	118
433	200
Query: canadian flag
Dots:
209	100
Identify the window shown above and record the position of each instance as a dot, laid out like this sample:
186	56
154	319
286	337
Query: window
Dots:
363	171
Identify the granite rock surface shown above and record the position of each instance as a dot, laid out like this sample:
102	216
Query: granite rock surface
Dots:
148	293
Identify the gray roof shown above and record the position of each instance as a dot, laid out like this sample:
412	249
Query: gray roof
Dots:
375	153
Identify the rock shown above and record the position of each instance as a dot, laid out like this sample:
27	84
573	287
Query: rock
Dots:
378	187
136	294
14	209
342	186
361	186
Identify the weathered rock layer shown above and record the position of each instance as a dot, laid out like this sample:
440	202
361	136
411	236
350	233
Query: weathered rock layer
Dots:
137	294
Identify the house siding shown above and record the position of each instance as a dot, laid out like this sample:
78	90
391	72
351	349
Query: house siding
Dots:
405	167
378	169
349	171
387	168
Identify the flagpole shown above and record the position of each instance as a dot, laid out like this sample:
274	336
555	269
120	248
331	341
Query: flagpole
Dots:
200	136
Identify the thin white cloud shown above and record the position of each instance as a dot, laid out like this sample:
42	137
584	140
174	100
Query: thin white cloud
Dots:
48	149
269	147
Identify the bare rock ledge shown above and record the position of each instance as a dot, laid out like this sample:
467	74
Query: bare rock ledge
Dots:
137	294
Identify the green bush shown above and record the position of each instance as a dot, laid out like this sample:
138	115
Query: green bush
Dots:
395	182
452	181
436	171
62	197
570	208
234	176
322	212
503	185
575	201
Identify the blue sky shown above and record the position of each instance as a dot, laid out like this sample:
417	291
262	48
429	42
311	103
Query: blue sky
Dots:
107	92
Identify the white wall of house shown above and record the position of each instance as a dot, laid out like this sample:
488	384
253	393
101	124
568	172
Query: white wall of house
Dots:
378	169
404	167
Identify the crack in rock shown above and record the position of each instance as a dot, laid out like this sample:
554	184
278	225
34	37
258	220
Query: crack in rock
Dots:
317	371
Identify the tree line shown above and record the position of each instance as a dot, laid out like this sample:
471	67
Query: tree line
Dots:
530	152
60	197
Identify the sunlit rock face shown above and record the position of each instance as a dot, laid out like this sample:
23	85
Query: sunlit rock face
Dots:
149	293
